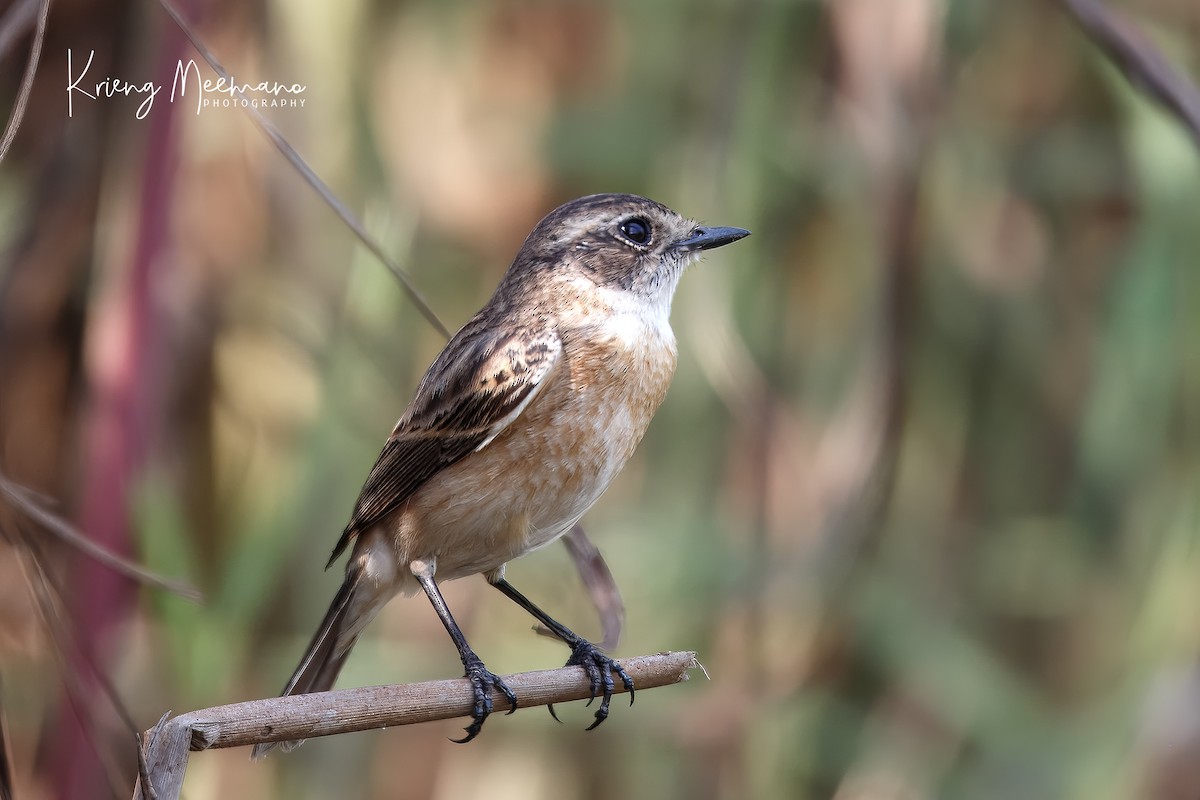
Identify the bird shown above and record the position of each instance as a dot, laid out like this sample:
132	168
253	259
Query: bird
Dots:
516	429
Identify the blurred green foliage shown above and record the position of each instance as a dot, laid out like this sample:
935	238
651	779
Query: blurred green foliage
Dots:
923	495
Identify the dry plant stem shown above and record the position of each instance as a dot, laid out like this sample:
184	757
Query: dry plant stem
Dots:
600	584
32	506
287	151
72	660
18	111
1143	63
346	710
371	707
6	762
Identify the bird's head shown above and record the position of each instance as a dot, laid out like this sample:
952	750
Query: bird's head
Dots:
619	241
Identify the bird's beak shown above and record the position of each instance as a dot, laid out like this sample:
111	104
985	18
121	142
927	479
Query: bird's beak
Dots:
704	238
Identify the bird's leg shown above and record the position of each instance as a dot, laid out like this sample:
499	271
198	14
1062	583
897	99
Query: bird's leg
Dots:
596	664
482	680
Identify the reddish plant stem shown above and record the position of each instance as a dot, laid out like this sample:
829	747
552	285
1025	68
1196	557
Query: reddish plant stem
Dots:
123	371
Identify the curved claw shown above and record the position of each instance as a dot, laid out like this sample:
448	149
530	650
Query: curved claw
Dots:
599	669
482	682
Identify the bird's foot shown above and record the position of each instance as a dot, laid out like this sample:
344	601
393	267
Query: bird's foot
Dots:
483	681
599	669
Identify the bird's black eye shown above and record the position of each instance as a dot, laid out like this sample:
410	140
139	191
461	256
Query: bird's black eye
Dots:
636	230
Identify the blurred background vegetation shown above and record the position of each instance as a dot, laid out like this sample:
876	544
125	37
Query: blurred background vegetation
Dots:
925	494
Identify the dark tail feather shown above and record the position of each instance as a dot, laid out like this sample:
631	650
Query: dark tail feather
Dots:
324	657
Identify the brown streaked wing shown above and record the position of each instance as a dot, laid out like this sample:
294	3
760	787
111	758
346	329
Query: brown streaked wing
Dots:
474	389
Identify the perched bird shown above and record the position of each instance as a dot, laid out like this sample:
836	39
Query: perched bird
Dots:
517	428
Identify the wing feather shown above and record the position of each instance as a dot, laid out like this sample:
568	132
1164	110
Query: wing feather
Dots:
479	384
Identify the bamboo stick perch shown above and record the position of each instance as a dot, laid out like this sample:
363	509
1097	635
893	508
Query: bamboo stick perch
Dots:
164	749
